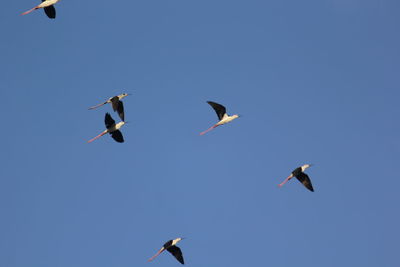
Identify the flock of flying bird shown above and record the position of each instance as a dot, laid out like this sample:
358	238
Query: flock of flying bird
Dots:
114	130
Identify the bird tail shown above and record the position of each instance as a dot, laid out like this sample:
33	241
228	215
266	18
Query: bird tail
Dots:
29	11
99	105
285	181
158	253
100	135
209	129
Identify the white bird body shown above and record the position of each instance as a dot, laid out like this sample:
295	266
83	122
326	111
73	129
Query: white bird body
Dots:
119	97
47	3
175	241
116	127
227	119
304	167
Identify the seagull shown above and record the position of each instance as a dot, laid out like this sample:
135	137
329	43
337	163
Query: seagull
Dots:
301	176
48	6
112	129
173	249
116	103
222	116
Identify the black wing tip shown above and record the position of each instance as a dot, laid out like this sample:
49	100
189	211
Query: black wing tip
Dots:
180	259
309	187
216	105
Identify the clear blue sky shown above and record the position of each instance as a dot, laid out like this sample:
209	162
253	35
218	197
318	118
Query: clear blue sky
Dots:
317	81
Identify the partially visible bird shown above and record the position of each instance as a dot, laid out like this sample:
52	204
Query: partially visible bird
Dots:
301	176
112	129
116	104
222	116
171	247
48	6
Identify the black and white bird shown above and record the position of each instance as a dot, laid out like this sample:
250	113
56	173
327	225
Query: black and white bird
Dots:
171	247
48	6
116	104
301	176
112	129
222	116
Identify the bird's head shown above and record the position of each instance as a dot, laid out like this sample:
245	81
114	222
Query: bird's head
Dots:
175	241
120	124
235	116
123	95
305	166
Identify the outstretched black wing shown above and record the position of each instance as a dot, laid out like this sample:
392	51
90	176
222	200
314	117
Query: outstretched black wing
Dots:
177	253
117	136
297	171
168	244
305	180
120	110
108	120
114	102
219	109
118	106
50	11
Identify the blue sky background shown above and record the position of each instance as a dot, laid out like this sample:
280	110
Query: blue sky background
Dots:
316	82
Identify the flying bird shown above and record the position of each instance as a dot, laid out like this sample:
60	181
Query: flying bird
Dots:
48	6
112	129
222	116
116	104
171	247
301	176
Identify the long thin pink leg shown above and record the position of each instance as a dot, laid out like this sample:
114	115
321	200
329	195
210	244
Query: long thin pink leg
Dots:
99	105
158	253
209	129
285	181
29	11
100	135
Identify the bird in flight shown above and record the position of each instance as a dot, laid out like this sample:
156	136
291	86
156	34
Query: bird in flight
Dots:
171	247
116	104
112	129
48	6
301	176
222	116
